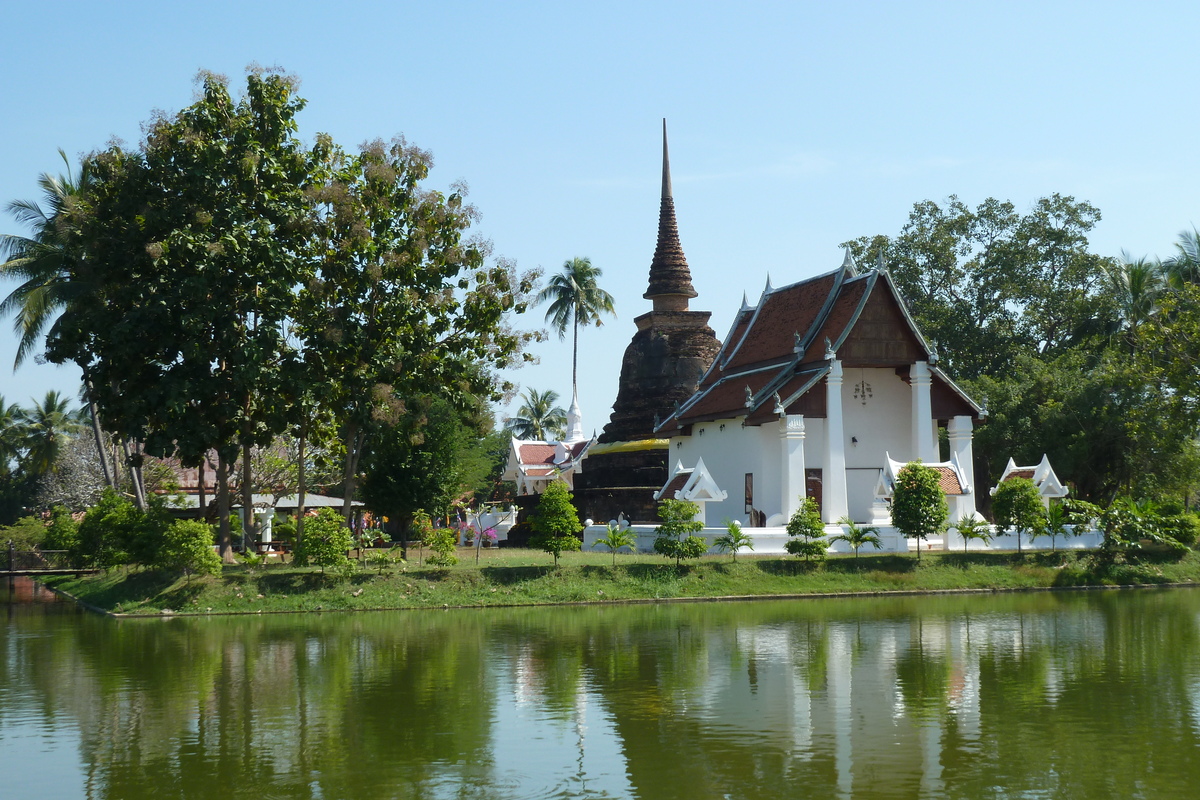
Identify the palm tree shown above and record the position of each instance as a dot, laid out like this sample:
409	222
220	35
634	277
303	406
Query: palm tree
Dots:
1184	266
856	537
44	428
972	528
735	539
616	539
10	436
576	300
538	418
48	268
1135	286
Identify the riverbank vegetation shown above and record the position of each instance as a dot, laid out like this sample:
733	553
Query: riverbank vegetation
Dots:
517	576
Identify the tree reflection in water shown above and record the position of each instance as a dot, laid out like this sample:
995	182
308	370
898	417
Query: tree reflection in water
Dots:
1066	694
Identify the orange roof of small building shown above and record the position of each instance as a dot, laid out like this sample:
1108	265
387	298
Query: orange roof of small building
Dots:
948	480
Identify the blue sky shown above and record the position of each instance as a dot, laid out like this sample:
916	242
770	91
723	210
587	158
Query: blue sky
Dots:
793	126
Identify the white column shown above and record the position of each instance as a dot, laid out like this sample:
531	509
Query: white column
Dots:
960	432
791	435
924	443
834	478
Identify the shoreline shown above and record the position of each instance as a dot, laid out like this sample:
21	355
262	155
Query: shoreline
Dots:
532	585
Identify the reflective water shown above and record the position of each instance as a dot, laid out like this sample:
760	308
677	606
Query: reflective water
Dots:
1082	695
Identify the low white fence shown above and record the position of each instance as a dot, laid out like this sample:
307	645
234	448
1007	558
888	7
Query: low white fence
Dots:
773	541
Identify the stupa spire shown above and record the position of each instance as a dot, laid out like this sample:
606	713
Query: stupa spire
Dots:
670	279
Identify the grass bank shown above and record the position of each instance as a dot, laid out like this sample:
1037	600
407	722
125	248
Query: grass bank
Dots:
525	577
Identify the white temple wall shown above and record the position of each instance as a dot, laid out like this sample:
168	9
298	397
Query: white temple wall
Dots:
730	452
872	430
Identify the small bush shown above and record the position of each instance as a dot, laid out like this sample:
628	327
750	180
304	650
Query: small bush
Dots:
556	523
674	539
442	541
187	546
26	534
63	531
1183	528
326	540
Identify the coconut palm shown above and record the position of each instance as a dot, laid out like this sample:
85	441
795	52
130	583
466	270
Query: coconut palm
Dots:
10	436
576	300
1184	266
49	269
856	537
1135	286
538	417
44	428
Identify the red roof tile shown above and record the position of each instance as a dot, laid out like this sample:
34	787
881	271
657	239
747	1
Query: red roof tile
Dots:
782	314
948	480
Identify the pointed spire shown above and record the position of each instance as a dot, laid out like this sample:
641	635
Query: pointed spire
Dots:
745	301
574	420
670	276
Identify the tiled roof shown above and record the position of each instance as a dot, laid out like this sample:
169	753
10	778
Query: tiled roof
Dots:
840	316
1021	473
675	484
948	480
782	314
537	453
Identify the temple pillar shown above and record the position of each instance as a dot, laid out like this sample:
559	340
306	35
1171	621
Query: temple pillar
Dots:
924	443
791	435
834	501
960	431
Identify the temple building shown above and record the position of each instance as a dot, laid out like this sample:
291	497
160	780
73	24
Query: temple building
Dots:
533	464
822	389
670	351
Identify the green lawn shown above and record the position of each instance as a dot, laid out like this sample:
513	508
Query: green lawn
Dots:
529	577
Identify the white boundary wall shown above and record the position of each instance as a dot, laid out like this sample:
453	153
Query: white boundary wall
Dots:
773	541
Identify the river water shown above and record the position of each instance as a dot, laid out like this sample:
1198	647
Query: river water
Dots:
1063	695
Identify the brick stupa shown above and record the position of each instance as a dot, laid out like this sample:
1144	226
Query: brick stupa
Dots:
662	367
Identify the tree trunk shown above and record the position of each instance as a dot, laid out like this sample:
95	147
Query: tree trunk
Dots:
135	477
224	534
301	489
354	443
575	360
200	487
247	501
110	477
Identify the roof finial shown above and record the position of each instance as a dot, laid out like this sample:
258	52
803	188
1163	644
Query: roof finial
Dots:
848	264
666	183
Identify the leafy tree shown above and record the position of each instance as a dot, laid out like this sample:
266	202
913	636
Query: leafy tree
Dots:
404	304
918	505
77	479
973	528
734	539
1135	287
856	537
994	281
1017	506
806	531
196	244
538	417
63	531
555	522
109	532
616	539
419	462
1184	267
326	541
673	538
576	299
187	547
